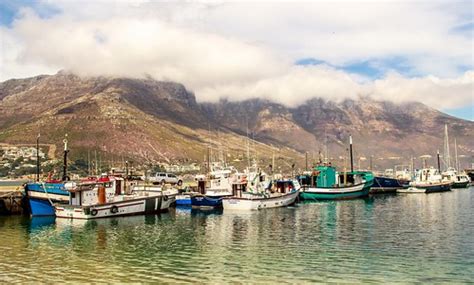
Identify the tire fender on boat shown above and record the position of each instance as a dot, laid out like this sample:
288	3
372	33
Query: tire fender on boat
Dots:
94	212
165	197
114	209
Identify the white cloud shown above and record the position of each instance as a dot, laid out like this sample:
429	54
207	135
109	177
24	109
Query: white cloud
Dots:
430	90
246	50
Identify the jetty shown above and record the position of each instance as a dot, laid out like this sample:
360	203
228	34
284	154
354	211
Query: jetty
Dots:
11	200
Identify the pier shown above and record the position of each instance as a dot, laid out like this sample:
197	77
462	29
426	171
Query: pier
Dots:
10	200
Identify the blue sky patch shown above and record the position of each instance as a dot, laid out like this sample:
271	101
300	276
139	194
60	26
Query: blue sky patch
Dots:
374	69
466	112
9	10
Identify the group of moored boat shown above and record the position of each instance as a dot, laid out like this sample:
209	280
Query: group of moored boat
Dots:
111	196
225	187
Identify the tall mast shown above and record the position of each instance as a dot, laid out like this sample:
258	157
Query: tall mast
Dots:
37	158
447	157
350	149
306	161
66	150
456	154
273	164
248	146
326	150
209	150
439	164
88	162
96	164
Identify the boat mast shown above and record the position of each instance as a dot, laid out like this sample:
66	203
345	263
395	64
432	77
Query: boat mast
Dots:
88	162
306	161
439	164
456	155
65	177
447	157
273	165
96	165
350	150
248	147
37	158
326	150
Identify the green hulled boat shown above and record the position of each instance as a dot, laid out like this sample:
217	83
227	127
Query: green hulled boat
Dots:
325	183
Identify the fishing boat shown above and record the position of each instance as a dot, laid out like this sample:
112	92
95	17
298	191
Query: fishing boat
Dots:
220	186
427	180
459	180
278	193
42	196
184	199
383	184
328	184
106	197
391	180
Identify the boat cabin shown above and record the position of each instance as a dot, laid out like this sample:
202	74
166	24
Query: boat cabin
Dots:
95	191
326	176
428	174
284	186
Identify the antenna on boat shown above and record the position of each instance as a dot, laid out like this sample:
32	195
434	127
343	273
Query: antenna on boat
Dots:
350	150
66	150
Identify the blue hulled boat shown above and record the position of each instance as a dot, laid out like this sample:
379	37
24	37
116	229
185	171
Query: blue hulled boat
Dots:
205	201
220	181
384	184
40	196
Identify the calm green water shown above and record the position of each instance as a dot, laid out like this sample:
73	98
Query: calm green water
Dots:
425	238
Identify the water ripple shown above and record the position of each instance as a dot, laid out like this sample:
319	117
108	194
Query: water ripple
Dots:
411	238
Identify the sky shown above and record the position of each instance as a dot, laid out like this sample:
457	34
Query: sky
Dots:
287	52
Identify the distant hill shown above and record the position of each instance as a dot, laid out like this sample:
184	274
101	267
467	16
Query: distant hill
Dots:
150	120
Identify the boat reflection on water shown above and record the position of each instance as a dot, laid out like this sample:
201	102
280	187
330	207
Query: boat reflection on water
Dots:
110	222
188	210
39	223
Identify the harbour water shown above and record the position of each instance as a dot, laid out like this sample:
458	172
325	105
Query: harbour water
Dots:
387	238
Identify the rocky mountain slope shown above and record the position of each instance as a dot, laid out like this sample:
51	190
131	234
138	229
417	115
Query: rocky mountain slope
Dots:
161	121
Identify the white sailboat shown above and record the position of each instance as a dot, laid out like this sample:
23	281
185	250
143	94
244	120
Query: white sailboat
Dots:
452	174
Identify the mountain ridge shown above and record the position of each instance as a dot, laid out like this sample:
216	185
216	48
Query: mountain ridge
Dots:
162	121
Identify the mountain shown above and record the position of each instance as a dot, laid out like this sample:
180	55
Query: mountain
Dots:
150	120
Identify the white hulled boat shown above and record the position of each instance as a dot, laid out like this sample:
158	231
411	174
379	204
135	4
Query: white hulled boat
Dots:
427	180
459	180
105	197
261	193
